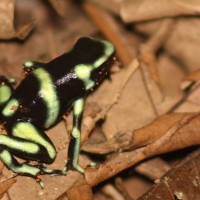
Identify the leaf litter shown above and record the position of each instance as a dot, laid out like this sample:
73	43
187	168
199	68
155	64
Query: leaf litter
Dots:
132	108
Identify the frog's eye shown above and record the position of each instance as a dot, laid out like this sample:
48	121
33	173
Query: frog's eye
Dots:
98	73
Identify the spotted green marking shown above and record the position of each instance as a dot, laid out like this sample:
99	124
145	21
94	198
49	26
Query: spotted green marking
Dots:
16	145
29	132
5	93
10	108
108	50
49	95
78	106
76	132
83	71
28	64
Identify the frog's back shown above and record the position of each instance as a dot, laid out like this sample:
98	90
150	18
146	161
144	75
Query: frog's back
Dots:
42	98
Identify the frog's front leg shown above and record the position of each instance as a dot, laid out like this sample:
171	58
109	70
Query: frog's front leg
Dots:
75	136
29	66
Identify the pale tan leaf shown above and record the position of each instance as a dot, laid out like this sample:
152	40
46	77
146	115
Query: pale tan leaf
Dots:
7	29
150	60
142	10
59	6
190	79
80	190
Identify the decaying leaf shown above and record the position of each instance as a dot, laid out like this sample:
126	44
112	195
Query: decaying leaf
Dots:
158	128
5	185
119	142
181	182
153	168
141	10
123	101
190	79
7	29
59	6
112	31
79	190
182	131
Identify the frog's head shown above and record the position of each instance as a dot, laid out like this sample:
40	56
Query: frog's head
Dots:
95	61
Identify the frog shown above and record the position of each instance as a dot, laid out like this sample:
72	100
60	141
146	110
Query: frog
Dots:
42	99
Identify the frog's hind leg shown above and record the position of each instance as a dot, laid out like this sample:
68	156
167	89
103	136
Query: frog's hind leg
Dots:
27	142
45	151
12	163
6	90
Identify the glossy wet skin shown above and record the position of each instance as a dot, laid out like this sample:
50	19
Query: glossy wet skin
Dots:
41	100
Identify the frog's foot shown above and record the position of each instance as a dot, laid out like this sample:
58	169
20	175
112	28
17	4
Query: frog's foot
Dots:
44	170
53	172
72	166
39	180
28	170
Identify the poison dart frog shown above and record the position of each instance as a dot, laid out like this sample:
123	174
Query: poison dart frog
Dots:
43	97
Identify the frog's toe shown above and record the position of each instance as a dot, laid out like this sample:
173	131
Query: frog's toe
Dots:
53	172
39	180
74	167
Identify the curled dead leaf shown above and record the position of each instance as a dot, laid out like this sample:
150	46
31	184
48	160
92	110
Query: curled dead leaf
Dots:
167	133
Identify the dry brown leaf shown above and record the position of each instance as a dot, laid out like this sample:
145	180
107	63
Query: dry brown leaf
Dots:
179	38
126	104
5	185
148	52
112	31
181	182
181	132
190	79
80	190
133	110
152	168
59	6
153	131
112	6
142	10
169	132
194	76
119	142
7	29
120	186
110	191
150	60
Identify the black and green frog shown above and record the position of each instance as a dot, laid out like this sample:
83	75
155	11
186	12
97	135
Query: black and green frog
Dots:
43	97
